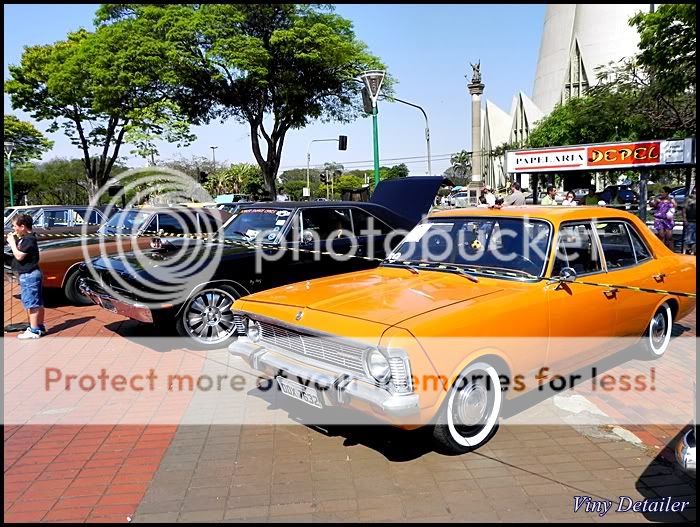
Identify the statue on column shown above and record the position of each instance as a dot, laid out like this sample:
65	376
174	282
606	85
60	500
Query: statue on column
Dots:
476	72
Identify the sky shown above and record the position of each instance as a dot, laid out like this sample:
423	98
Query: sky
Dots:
427	48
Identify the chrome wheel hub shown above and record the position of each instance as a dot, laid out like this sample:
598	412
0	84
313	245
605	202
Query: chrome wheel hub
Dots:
658	329
471	405
208	317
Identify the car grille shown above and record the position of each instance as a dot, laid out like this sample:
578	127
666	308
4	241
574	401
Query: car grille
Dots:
345	356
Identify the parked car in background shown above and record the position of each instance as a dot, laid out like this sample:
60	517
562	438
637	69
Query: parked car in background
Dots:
373	340
126	231
10	213
205	315
619	194
64	219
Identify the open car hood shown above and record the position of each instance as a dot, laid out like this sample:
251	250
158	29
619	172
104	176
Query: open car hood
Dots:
410	197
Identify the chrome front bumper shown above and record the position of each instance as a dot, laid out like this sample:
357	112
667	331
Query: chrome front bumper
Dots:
685	454
337	389
133	310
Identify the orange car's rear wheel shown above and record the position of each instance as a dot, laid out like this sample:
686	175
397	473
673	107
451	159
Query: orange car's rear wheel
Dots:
658	333
469	416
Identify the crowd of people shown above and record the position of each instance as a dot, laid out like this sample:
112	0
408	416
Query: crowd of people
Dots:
664	207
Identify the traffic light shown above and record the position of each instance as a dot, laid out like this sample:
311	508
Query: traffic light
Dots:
324	178
342	142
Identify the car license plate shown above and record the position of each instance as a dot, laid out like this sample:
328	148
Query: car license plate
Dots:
300	392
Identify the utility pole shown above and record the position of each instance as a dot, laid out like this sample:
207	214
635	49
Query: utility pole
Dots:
342	145
213	155
9	147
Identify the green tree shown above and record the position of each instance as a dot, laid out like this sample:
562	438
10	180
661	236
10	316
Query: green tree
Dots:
461	164
29	143
236	179
56	182
396	172
104	89
667	43
274	67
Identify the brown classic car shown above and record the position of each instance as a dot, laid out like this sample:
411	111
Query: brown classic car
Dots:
60	258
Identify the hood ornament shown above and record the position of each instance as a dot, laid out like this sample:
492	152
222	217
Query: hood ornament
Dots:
299	316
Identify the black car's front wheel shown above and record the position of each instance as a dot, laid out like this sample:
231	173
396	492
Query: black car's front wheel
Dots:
206	318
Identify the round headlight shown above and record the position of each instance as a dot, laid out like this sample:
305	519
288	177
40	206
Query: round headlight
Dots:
378	366
254	330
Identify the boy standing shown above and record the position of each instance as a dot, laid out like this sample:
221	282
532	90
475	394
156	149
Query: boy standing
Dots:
26	264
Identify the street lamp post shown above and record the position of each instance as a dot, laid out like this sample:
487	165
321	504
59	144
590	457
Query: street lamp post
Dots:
213	155
9	147
427	129
373	81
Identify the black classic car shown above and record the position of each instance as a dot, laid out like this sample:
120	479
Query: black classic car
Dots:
263	245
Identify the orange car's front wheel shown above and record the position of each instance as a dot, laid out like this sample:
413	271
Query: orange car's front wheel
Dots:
469	415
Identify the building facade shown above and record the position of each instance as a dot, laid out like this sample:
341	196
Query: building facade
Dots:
577	39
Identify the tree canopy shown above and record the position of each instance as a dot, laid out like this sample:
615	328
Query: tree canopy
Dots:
29	143
104	89
274	67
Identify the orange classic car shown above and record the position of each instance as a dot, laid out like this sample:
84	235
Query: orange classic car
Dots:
468	307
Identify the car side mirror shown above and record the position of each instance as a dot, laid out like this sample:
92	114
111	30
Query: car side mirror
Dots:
567	274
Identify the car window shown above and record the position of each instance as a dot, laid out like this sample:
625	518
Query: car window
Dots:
576	248
326	222
499	244
616	244
127	222
177	223
361	220
257	223
53	218
641	251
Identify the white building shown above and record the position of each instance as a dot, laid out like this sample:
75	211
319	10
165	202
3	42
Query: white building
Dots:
576	40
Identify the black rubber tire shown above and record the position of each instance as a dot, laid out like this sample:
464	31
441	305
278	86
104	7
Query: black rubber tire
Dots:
455	439
71	292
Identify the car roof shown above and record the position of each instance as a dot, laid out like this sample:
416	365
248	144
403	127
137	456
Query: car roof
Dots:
551	213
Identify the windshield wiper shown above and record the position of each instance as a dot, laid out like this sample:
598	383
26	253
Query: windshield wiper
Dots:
466	274
403	263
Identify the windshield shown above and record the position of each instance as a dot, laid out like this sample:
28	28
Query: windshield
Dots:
488	245
125	222
257	224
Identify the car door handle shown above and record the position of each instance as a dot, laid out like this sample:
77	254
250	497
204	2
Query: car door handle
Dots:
660	277
610	293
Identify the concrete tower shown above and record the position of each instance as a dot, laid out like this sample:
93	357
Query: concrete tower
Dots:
577	39
476	90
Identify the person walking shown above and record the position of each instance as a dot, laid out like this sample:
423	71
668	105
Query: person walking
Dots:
549	199
25	264
516	197
663	217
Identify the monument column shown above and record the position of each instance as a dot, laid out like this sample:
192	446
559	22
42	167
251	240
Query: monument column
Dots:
476	89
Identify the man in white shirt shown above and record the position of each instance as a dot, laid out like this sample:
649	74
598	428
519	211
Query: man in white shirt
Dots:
489	196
